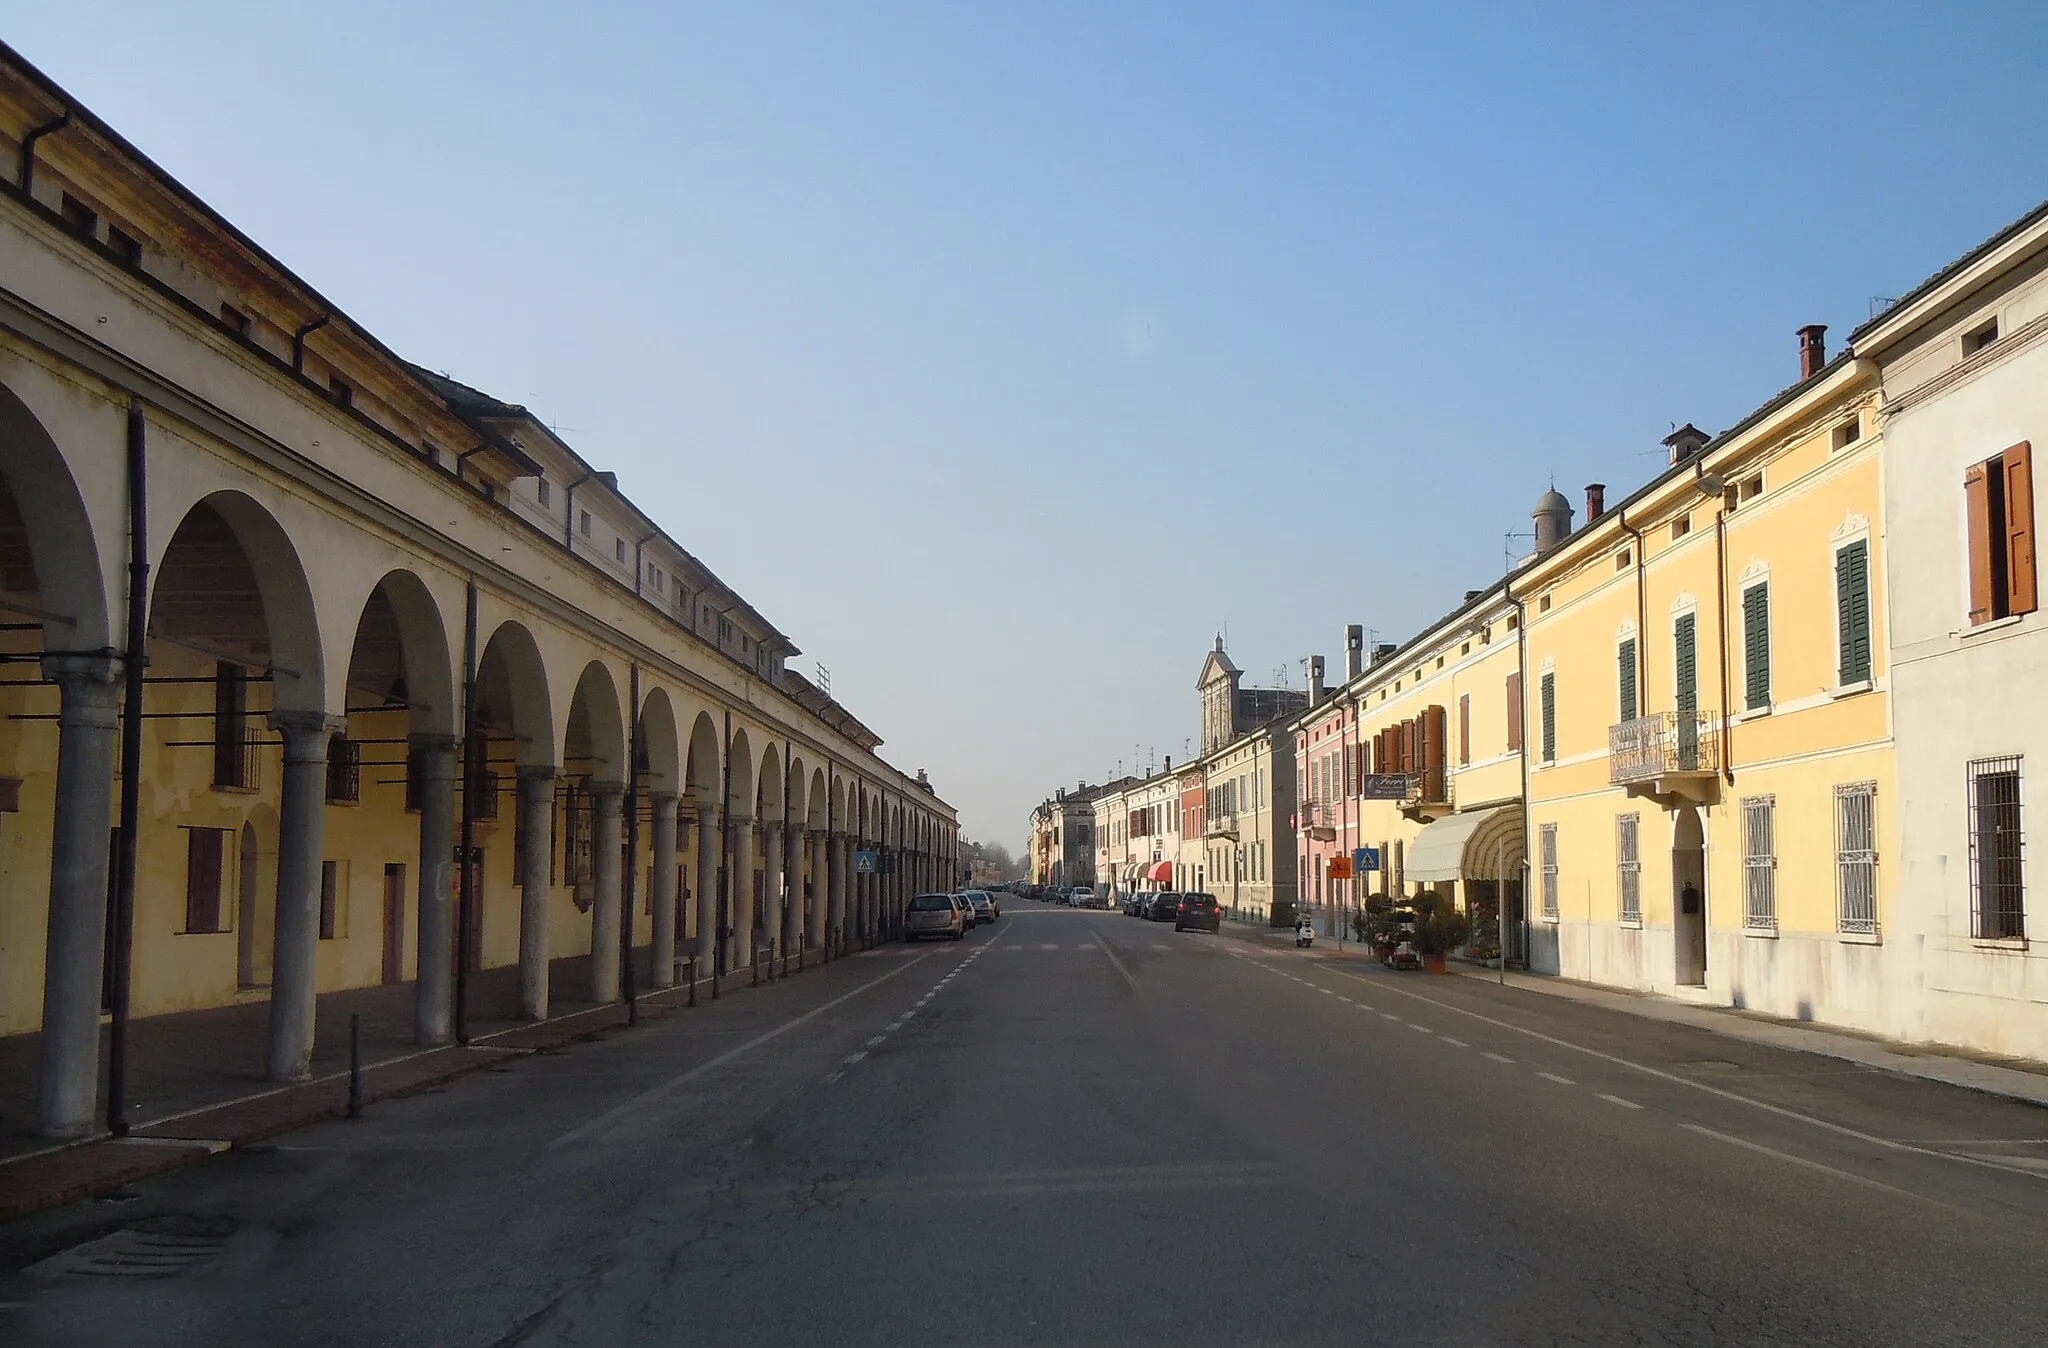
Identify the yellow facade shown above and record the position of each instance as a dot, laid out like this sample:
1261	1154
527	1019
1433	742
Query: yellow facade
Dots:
1779	507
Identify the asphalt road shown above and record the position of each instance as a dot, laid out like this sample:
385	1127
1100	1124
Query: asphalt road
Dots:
1077	1128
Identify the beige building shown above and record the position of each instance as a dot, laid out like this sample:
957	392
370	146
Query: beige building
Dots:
408	658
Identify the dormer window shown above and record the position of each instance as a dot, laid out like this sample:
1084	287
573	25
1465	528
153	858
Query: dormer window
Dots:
79	218
127	246
343	395
235	320
1972	343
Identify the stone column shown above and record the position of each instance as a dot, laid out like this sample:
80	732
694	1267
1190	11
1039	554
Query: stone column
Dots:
67	1094
792	888
663	975
835	893
606	854
707	887
301	833
814	904
434	767
772	878
536	837
739	945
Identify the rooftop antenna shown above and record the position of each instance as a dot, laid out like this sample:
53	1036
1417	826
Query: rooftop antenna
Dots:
1507	547
1880	303
1279	676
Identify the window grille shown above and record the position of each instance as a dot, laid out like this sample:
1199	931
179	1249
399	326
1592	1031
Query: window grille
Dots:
1631	868
1856	856
1550	872
1997	881
344	771
1760	862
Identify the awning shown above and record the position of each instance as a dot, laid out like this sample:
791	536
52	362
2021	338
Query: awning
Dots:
1131	872
1468	846
1161	873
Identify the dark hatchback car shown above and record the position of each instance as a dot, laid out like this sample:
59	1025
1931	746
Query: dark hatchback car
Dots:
1198	912
1164	907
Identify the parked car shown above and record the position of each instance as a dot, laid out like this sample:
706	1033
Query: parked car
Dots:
1198	912
979	906
935	915
1082	897
1134	903
1165	907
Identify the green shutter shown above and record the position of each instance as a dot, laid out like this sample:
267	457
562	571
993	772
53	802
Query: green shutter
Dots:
1756	645
1625	661
1852	602
1549	718
1688	690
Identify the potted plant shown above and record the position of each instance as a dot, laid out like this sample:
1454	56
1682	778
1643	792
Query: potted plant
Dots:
1439	929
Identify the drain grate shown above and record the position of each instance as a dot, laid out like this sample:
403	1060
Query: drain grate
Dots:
155	1247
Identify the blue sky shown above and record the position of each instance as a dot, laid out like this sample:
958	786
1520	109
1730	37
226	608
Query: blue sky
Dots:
1001	354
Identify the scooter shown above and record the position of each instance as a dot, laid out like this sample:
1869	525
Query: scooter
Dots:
1304	933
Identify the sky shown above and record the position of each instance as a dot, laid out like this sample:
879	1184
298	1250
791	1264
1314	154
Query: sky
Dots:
1002	355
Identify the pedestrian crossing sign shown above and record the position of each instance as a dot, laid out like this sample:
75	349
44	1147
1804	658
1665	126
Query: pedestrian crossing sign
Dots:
864	863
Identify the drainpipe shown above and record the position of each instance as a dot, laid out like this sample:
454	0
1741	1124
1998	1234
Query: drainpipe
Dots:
465	456
724	859
132	664
299	342
639	570
569	512
1642	617
28	148
464	898
629	898
1721	632
1522	685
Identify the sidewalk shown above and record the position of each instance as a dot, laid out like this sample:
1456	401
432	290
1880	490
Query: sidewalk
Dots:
2026	1082
204	1092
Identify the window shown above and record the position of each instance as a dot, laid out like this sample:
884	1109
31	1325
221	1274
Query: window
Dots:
1756	646
1514	685
83	220
126	246
1543	604
1848	433
1631	867
337	389
1997	883
1548	694
1550	872
543	491
235	320
1680	527
204	848
1999	501
234	749
1622	559
333	900
1856	857
1625	670
344	770
1760	862
618	549
1852	609
1977	340
583	523
1753	488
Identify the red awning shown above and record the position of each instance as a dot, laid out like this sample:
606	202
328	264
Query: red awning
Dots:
1161	873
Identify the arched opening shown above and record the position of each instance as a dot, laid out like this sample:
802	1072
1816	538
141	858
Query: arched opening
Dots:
1689	896
515	729
742	819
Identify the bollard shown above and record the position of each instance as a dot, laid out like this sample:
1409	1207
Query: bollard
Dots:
355	1065
799	956
693	982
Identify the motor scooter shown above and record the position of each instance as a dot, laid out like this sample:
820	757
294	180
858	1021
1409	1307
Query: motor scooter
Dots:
1304	933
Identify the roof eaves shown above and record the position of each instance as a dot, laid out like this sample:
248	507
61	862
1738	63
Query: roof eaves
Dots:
1934	282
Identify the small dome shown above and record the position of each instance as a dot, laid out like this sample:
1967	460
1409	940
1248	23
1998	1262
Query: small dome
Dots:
1551	502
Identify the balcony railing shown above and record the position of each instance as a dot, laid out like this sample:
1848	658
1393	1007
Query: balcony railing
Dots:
1429	794
1220	825
1663	744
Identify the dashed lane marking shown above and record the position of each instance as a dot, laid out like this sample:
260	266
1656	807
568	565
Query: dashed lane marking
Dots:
1499	1057
1617	1100
1423	1028
876	1040
1389	1015
1552	1076
855	1057
1454	1043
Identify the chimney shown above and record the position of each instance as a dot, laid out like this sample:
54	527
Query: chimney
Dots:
1169	765
1471	595
1382	651
1685	442
609	478
1316	691
1354	651
1813	349
1596	500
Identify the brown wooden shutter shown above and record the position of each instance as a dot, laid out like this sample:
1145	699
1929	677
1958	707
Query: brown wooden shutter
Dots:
1515	711
1434	751
2020	588
1977	509
202	879
1465	728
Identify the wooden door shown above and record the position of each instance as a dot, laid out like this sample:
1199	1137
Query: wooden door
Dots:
394	923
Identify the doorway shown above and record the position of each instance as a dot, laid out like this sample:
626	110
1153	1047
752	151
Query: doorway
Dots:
394	922
1689	897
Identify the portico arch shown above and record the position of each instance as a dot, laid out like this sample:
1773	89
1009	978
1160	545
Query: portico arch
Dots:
516	733
594	757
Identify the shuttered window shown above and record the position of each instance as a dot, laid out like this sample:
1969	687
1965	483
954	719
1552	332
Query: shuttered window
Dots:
203	851
1998	497
1685	653
1625	669
1549	728
1852	609
1464	728
1515	713
1756	646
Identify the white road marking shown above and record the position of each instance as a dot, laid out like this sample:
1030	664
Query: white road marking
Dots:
637	1105
1389	1015
834	1075
1617	1100
876	1040
1497	1057
855	1057
1342	998
1117	962
1552	1076
1049	947
1424	1028
1454	1043
1747	1145
1326	992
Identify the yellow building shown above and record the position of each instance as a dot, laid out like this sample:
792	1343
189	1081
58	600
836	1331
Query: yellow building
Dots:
1444	710
1710	774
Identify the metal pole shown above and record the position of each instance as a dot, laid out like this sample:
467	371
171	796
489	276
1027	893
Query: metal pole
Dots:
629	899
133	664
1500	905
465	878
693	980
724	861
